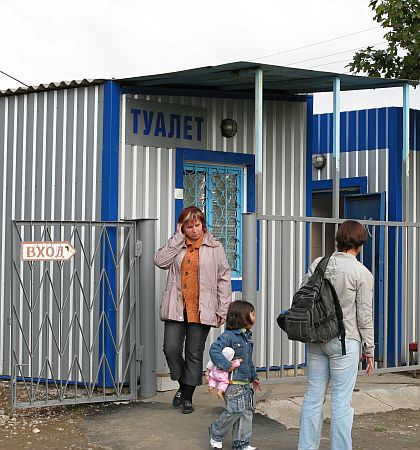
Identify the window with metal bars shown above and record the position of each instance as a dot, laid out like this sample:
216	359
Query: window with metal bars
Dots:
217	190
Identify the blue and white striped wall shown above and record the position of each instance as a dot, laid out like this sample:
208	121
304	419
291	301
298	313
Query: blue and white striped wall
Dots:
371	146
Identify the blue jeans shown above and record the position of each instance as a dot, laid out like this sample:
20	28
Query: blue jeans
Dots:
237	414
324	363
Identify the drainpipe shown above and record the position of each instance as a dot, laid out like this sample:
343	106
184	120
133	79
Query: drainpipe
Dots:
336	148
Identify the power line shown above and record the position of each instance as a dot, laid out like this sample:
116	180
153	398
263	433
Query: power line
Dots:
13	78
333	54
327	64
312	45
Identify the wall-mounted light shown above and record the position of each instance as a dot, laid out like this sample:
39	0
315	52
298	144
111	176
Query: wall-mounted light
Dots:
319	161
229	127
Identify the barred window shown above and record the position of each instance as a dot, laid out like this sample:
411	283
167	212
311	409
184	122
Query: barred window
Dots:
217	190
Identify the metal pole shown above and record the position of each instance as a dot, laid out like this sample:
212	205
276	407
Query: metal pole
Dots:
146	301
249	256
258	133
406	148
336	148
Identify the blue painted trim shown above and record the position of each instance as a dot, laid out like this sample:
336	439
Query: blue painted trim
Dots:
345	183
109	211
183	155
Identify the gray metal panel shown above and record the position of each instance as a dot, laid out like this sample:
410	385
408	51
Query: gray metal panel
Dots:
147	183
51	144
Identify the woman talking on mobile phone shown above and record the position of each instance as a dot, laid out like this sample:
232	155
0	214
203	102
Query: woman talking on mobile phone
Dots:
197	296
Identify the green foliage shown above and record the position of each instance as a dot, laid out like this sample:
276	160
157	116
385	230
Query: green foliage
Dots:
401	59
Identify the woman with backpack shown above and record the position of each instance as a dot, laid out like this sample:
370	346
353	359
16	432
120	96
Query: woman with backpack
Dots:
353	283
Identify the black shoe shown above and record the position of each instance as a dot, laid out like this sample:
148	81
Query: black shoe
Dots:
177	400
187	407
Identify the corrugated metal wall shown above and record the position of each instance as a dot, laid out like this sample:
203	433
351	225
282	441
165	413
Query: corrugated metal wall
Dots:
147	180
52	168
364	146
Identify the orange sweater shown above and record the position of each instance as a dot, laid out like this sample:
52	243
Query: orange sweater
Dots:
189	280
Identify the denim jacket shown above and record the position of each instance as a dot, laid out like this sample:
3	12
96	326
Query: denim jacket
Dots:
243	345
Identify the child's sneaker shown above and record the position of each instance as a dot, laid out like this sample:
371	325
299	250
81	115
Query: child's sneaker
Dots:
216	444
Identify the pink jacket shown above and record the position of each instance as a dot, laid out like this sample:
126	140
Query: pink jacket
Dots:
214	279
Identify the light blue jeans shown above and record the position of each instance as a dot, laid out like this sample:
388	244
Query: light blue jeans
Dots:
324	363
237	415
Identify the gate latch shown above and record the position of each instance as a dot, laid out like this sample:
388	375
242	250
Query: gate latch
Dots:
139	353
139	249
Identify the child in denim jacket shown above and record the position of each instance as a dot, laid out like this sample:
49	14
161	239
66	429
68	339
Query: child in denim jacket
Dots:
239	395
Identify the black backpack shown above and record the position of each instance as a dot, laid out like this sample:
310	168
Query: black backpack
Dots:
315	314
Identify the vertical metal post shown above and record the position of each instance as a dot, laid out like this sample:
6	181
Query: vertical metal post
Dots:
336	148
258	133
249	256
406	148
146	307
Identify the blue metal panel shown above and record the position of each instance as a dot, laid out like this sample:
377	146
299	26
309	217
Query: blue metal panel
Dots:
362	140
110	158
372	206
415	130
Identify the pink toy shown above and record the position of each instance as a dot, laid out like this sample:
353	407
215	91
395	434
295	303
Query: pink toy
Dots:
218	377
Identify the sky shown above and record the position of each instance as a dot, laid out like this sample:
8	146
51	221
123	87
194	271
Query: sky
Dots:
60	40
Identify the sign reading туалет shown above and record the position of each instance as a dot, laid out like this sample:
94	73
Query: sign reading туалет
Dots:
47	251
165	125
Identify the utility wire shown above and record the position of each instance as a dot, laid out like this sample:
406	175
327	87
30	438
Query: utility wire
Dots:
333	54
312	45
13	78
327	64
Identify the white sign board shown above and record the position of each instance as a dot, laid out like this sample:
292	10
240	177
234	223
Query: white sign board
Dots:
166	125
46	251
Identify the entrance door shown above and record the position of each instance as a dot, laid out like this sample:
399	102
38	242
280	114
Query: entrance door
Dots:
372	207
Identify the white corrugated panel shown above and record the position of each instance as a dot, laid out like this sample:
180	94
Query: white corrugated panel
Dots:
51	146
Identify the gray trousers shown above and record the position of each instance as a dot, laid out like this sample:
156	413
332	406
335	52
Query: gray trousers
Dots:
187	369
237	415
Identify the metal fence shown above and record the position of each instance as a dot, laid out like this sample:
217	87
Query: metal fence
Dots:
392	254
74	324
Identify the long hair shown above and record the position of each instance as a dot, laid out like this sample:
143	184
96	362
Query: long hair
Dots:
190	215
238	315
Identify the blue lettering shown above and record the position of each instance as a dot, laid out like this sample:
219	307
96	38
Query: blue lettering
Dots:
148	119
136	112
172	130
187	127
160	124
199	121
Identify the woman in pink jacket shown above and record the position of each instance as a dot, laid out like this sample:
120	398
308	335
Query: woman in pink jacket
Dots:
197	296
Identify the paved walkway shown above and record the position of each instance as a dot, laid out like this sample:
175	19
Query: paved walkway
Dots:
154	424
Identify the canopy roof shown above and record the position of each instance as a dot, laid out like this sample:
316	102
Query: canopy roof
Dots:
238	77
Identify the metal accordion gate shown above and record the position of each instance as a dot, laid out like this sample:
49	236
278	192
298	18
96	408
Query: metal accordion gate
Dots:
74	323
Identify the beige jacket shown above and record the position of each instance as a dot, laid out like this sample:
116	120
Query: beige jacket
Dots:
354	286
214	279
